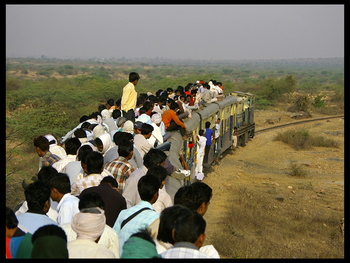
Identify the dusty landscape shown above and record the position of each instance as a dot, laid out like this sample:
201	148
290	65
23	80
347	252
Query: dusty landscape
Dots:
260	210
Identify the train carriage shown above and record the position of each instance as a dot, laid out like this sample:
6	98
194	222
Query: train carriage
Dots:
234	110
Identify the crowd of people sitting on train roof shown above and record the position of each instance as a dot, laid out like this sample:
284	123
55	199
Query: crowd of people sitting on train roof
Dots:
100	191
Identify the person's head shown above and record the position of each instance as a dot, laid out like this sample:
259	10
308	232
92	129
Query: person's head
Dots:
190	227
94	163
207	124
38	196
42	145
140	245
154	157
89	223
116	114
168	218
170	90
159	172
46	173
80	133
72	145
103	143
148	187
201	132
110	103
125	149
111	181
49	241
173	105
82	150
119	137
11	222
146	130
134	78
156	118
120	121
92	199
196	197
60	185
137	127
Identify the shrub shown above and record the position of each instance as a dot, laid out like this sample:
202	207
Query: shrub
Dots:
301	139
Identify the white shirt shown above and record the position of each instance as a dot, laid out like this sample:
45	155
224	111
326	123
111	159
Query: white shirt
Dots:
201	145
141	143
67	208
83	248
164	200
156	135
109	237
61	164
131	193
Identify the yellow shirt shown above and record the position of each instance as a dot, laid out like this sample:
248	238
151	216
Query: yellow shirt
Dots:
129	98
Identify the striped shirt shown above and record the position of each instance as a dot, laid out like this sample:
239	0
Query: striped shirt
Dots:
121	169
82	183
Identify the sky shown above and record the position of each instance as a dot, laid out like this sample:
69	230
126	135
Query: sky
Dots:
219	32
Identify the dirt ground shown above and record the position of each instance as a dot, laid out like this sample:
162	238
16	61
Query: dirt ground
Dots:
259	210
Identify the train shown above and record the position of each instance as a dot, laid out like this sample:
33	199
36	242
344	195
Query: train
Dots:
234	110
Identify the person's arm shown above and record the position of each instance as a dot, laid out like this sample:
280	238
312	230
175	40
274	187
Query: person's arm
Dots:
177	120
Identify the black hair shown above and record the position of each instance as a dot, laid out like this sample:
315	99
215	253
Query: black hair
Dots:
92	199
167	221
188	227
37	194
110	102
173	105
118	137
42	143
159	172
11	219
80	133
94	162
154	157
110	180
61	182
133	76
146	129
72	145
49	230
82	150
46	173
148	186
193	196
125	148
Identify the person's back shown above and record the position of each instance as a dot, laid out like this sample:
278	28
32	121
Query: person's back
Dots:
38	199
148	187
114	201
89	224
188	236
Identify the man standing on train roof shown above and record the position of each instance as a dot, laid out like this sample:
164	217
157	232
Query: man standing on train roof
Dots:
129	97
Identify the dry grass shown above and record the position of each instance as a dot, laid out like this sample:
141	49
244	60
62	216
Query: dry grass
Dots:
257	226
301	139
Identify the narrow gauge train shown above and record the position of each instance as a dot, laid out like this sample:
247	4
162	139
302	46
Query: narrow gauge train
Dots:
235	110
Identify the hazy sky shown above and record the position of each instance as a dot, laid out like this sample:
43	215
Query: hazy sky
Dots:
175	31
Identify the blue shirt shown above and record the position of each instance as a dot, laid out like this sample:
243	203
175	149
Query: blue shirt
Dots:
208	135
30	222
139	222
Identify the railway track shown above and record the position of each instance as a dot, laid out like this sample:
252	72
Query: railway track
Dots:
297	122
